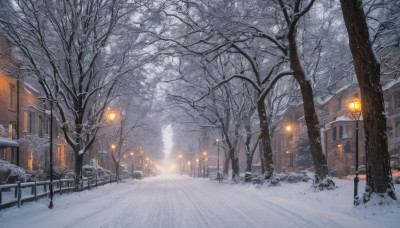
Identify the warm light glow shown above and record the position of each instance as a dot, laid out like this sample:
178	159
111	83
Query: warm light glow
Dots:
112	146
188	162
111	116
340	145
180	156
355	107
131	153
288	128
197	160
287	152
205	153
217	140
147	159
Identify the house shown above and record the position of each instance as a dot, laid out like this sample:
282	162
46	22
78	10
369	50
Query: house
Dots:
27	120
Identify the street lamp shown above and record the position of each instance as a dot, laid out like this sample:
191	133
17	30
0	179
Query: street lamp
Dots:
133	160
218	175
355	109
204	164
51	155
111	116
198	170
180	158
112	153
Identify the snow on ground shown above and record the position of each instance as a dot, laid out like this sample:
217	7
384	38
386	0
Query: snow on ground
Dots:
176	201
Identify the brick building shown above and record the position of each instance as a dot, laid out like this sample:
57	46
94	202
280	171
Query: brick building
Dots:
23	114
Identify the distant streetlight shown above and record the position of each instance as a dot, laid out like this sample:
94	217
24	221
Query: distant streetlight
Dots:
189	167
111	116
133	159
218	175
180	158
355	109
198	170
288	128
204	164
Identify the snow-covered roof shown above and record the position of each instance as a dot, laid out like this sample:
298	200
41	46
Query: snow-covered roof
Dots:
6	142
31	88
343	119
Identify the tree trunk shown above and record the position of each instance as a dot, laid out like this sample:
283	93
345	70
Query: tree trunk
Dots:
226	164
249	161
367	68
269	168
235	163
78	169
261	151
322	178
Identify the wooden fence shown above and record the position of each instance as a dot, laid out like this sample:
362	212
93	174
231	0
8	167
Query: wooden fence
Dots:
18	193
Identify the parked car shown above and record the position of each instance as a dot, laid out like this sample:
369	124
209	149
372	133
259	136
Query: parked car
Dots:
138	174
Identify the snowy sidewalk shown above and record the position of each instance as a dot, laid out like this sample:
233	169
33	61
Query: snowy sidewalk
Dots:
175	201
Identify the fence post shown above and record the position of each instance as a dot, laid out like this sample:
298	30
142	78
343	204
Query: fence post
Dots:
88	183
1	190
45	187
35	190
67	186
96	181
110	179
19	194
60	183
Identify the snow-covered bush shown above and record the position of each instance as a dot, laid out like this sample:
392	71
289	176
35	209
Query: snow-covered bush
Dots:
3	131
10	173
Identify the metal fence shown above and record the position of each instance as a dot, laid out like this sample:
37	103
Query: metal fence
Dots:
18	193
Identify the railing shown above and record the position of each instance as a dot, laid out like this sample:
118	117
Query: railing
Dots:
16	194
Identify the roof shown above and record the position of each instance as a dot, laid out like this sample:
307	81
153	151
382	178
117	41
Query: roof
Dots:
6	142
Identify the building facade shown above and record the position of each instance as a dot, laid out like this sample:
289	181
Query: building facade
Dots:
27	120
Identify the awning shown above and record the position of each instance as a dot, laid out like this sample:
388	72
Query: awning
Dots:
6	142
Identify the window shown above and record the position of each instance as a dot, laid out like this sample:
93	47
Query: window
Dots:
3	152
339	106
41	126
25	121
334	133
11	100
31	122
347	147
11	130
396	99
398	129
289	159
13	155
47	127
340	132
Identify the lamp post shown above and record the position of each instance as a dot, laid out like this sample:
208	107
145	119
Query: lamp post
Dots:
189	167
204	164
218	175
198	170
51	155
112	154
133	160
147	166
180	158
355	109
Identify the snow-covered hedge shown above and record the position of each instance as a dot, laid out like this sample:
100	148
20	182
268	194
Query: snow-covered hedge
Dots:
10	173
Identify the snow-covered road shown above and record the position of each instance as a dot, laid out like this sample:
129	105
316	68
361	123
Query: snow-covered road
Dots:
175	201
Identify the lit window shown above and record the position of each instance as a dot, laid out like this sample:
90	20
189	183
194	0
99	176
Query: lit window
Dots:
11	101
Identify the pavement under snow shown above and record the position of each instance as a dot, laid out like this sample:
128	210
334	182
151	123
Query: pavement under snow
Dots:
176	201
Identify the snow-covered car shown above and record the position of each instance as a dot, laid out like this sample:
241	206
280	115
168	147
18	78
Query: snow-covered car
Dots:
138	174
